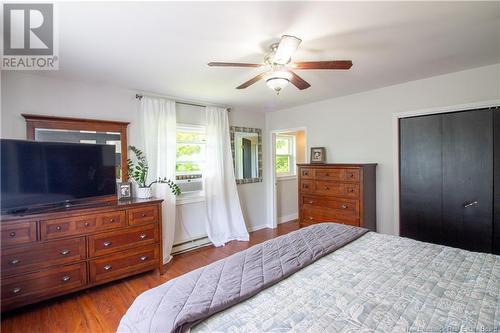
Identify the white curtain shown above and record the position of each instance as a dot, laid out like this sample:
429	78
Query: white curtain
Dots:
158	124
224	217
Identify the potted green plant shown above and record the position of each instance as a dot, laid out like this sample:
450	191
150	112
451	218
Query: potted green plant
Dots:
139	173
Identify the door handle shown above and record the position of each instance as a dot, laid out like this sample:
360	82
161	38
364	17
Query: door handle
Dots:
470	204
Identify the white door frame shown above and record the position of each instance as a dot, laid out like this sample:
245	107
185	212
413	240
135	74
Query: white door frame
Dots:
273	211
395	140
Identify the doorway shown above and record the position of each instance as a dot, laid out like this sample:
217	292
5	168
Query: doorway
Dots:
288	148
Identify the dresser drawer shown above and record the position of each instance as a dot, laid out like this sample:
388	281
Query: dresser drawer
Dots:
329	188
18	233
42	255
331	213
124	263
57	228
306	173
143	215
113	241
306	186
352	190
346	206
311	215
34	287
330	174
352	175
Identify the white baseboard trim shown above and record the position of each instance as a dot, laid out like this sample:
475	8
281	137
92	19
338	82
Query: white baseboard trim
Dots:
288	218
257	227
190	245
202	242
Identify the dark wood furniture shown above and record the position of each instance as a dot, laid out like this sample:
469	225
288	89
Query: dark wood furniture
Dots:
50	254
101	309
342	193
448	167
34	122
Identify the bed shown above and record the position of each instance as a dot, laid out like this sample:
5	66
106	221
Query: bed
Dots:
355	281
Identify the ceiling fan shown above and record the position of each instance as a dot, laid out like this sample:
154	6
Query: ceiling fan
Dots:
278	62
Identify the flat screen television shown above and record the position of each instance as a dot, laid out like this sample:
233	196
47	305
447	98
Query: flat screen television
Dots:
35	174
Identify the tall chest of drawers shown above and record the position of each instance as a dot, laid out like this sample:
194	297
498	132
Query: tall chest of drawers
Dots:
341	193
51	254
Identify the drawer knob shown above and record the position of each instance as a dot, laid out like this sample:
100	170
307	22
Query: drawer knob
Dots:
327	188
351	190
16	290
108	267
86	224
14	261
65	252
310	202
66	278
143	236
143	215
111	220
327	174
12	234
306	173
143	258
351	175
107	243
311	218
344	206
58	228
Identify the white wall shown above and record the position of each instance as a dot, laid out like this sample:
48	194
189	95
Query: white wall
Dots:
287	207
359	127
27	93
253	195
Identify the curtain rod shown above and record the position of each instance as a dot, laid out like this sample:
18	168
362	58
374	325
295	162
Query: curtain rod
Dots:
139	97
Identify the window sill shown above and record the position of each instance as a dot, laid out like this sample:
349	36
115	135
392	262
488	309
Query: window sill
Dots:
189	198
285	178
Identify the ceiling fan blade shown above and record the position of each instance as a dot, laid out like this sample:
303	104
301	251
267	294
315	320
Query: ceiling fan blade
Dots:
232	64
252	81
286	48
298	81
333	64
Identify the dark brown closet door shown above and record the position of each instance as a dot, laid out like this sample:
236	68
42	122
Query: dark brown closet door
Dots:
420	178
496	189
468	180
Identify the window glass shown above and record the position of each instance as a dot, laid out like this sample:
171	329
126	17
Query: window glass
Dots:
282	146
285	155
190	157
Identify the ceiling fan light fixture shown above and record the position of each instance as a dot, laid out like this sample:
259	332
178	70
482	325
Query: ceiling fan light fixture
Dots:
277	83
278	80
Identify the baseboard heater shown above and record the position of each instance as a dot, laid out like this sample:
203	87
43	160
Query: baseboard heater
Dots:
190	245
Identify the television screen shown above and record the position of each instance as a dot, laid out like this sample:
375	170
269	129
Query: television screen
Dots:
39	173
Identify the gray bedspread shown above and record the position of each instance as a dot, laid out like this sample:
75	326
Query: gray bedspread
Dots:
378	283
182	302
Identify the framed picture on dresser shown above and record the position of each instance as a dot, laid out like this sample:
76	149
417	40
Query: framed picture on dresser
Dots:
124	190
318	155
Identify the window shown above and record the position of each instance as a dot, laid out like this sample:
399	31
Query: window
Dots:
190	157
285	155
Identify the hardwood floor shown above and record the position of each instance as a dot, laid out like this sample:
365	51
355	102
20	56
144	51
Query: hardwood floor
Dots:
100	309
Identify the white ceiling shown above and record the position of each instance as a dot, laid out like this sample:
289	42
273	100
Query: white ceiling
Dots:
164	47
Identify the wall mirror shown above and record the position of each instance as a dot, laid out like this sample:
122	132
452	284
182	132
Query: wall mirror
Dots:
89	131
246	146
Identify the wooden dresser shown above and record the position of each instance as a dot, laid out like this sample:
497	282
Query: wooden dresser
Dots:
51	254
342	193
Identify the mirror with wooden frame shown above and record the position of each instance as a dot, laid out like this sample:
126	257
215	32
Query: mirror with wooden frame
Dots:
77	130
